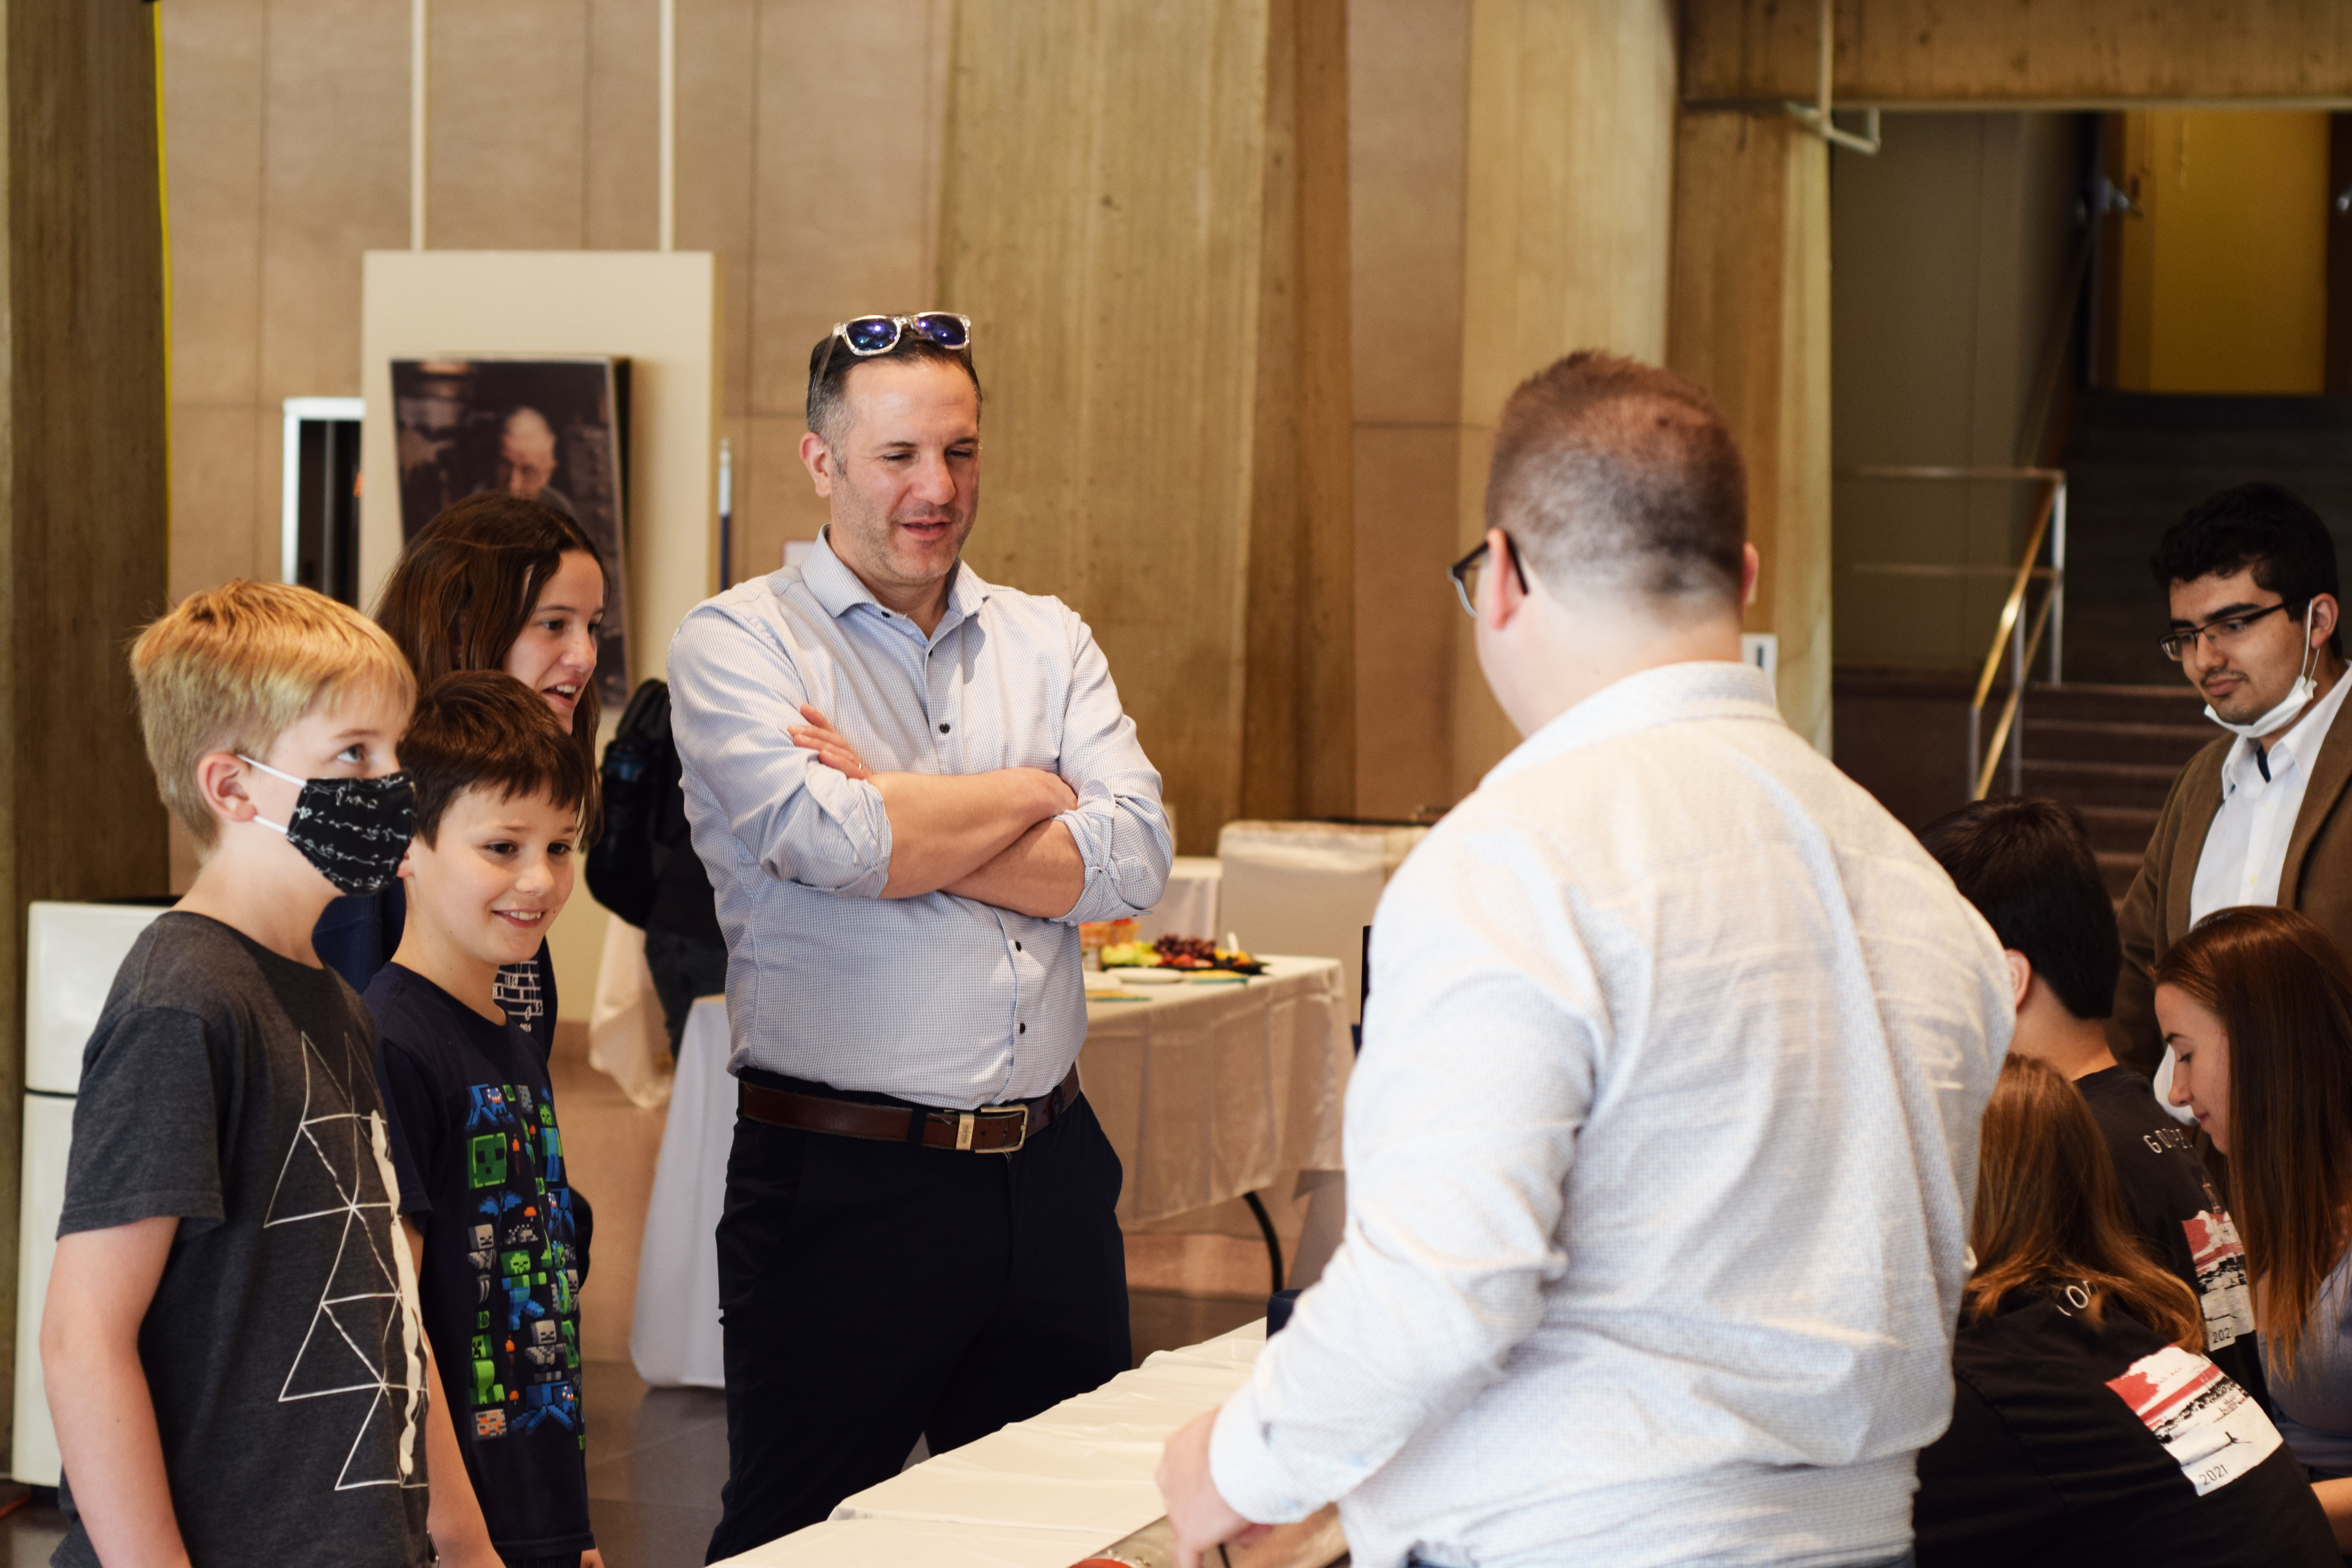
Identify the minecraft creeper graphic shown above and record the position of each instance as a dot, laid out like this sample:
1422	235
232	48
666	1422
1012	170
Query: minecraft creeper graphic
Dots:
487	1158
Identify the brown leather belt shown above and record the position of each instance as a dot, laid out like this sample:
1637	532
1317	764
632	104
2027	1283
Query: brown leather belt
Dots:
990	1130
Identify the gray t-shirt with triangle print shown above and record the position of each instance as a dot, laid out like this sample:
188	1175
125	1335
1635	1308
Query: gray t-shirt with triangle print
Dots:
236	1090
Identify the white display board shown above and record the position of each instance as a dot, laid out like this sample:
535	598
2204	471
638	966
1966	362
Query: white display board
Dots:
660	308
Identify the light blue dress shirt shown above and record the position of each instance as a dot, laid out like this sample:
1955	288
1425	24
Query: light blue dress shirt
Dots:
939	1000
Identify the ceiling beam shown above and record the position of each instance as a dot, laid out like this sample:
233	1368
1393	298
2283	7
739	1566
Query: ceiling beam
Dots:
1922	54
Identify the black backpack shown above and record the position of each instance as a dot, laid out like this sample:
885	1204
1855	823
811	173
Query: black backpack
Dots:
645	808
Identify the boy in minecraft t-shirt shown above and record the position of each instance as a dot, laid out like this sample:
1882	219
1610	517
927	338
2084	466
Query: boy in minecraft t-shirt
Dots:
504	1239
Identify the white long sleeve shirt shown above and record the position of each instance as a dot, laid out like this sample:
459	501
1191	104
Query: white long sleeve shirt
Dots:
2246	850
1660	1156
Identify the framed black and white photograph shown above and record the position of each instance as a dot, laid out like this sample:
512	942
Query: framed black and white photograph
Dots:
552	429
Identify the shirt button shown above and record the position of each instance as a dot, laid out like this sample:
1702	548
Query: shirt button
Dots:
1016	947
1025	1028
943	728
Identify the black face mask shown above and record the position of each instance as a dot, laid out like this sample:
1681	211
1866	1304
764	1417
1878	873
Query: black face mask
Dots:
354	831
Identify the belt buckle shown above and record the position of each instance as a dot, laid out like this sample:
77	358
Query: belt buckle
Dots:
967	1121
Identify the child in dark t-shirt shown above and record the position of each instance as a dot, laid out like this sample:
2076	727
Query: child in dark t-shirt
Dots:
230	1338
2028	868
503	1237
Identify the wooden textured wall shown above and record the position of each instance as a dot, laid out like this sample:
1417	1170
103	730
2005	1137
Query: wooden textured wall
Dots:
1408	87
1751	322
1134	199
808	135
2084	52
1570	180
82	529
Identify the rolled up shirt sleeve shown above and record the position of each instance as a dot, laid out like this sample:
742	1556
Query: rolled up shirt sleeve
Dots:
1462	1124
1119	825
734	693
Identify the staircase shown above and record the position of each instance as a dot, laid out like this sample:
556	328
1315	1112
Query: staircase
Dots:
2135	462
2112	752
2111	741
2112	744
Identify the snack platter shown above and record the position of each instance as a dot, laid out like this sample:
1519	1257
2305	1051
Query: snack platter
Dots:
1181	954
1143	972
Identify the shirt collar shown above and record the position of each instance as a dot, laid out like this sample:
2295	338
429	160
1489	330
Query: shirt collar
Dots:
2303	736
837	589
1670	694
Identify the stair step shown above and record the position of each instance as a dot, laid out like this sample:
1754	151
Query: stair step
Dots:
2118	870
2098	783
2119	829
2110	741
2116	704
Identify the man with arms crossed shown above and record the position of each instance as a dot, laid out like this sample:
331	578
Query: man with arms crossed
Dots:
908	786
1660	1151
2250	574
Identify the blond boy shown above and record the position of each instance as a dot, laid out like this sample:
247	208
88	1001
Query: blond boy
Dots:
231	1337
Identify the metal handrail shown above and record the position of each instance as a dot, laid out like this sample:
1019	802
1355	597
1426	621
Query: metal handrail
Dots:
2011	634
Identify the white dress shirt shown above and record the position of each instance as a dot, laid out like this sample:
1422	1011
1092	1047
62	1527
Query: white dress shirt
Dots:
2246	850
1660	1156
939	1000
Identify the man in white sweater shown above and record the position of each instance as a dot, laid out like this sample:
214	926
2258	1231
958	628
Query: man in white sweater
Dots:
1661	1150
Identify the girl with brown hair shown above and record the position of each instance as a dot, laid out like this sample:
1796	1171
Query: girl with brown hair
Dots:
495	582
2087	1424
2256	1005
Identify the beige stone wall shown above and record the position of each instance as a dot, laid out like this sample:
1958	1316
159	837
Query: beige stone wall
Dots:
811	145
1408	85
808	157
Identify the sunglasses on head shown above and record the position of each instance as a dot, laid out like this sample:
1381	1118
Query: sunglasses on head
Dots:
867	336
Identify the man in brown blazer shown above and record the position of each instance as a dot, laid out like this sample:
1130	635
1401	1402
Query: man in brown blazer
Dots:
2259	817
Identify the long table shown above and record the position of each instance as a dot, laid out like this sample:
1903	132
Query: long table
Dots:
1207	1091
1041	1493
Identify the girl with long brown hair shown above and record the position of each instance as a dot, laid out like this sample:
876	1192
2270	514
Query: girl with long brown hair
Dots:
495	582
2087	1424
2256	1005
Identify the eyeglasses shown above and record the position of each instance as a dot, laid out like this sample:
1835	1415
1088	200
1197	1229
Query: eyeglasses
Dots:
2220	633
1465	571
870	335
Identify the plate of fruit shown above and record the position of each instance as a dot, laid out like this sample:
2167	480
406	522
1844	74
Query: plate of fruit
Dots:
1176	957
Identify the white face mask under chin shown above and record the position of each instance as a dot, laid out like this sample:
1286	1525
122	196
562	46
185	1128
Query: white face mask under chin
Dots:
2297	697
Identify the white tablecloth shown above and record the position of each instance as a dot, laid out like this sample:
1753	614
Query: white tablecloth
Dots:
627	1041
674	1337
1041	1493
1188	907
1210	1091
1206	1091
1308	887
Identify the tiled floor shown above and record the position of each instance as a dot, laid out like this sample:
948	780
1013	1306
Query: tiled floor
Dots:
29	1534
656	1459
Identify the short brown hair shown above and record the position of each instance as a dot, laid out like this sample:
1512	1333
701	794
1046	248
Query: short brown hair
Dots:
464	588
234	668
1606	467
828	376
2283	996
2050	1216
484	730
